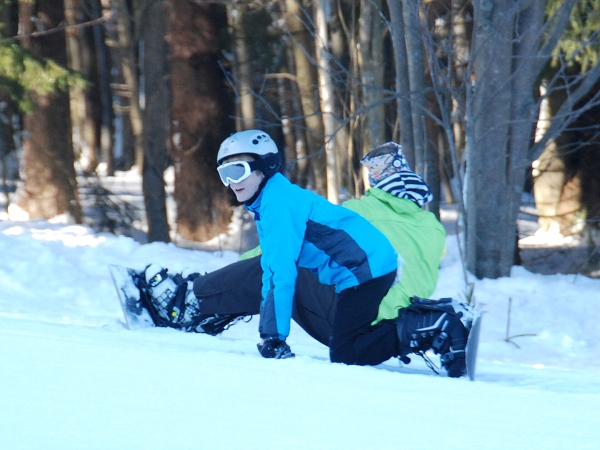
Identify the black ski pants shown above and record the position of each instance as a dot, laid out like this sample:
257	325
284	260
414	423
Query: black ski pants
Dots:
236	289
342	322
353	339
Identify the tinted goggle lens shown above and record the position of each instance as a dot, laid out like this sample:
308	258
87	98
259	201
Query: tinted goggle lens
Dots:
235	172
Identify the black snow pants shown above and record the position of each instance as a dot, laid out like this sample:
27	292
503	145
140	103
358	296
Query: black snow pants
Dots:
342	322
236	289
353	339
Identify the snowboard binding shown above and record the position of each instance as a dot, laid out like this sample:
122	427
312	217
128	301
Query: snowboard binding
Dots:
171	302
442	326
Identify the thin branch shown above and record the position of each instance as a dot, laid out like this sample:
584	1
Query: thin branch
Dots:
105	18
509	338
562	16
566	110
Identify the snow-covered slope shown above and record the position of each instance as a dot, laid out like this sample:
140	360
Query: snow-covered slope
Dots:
72	376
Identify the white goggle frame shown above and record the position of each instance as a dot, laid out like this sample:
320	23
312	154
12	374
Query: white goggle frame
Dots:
236	171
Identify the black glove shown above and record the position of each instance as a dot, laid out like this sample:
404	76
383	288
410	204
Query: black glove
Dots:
274	348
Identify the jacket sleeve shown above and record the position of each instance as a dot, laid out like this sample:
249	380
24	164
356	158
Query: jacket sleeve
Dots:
283	221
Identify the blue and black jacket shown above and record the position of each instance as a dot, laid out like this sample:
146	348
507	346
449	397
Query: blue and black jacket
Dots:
299	228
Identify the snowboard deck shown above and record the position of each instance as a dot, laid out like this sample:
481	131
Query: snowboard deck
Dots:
473	345
136	316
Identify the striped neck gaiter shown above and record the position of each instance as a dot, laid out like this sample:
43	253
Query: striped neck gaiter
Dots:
390	172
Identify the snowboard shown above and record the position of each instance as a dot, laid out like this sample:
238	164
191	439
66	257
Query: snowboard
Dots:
136	315
473	344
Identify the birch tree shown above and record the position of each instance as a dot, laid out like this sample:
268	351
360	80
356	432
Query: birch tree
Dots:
326	97
300	39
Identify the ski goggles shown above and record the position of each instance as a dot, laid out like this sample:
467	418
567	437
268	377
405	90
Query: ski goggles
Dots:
236	171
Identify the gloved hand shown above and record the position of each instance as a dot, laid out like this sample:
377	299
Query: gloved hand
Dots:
274	348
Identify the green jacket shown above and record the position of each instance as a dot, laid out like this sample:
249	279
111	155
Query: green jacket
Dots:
416	235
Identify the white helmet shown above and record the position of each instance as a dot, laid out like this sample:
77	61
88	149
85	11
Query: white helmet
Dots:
255	142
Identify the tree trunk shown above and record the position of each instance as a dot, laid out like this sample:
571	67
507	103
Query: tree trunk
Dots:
326	96
246	115
153	21
402	81
345	149
416	72
452	172
85	151
487	185
50	186
200	118
523	117
503	116
127	59
306	78
371	73
102	92
460	72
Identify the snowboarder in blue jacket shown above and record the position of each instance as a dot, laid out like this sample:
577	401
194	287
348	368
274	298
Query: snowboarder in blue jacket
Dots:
298	228
330	268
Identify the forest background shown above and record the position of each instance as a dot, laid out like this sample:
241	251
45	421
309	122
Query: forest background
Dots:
491	99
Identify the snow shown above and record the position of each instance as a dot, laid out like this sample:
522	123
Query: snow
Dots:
73	377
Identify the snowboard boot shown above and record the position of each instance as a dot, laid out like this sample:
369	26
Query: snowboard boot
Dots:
160	289
438	325
172	303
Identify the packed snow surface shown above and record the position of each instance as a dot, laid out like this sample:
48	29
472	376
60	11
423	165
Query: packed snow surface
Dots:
73	377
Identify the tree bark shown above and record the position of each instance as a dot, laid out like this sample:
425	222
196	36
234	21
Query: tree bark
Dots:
246	115
402	82
200	118
153	20
487	145
85	151
500	122
326	96
306	77
50	186
523	117
129	71
416	71
371	31
101	104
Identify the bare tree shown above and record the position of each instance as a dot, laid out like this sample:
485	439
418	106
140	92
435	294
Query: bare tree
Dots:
509	52
485	90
